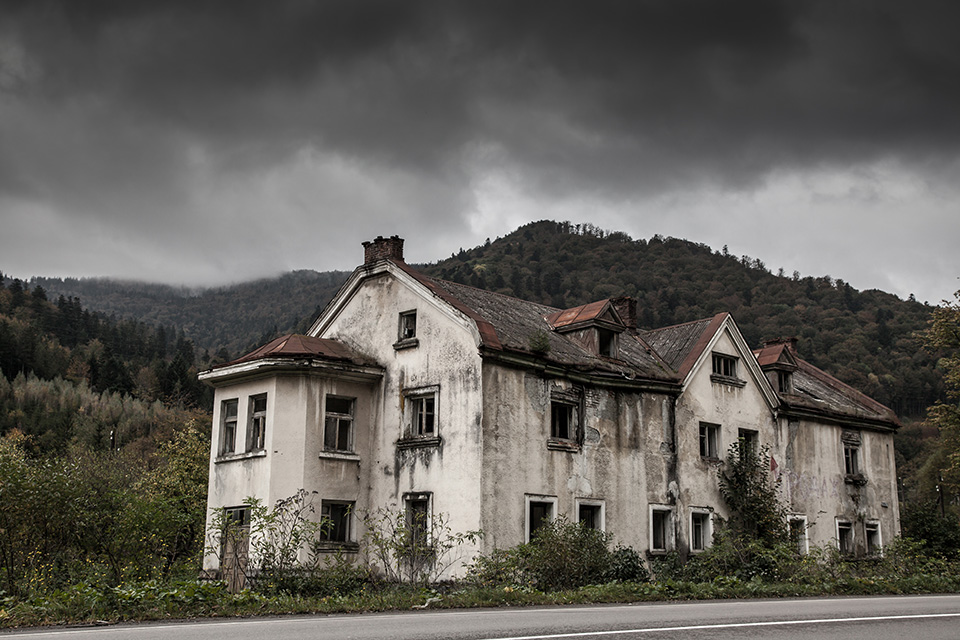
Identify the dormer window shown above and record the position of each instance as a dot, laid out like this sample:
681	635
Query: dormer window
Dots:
784	382
607	343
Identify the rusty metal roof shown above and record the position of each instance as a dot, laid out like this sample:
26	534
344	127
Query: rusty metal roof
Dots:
300	346
681	345
583	314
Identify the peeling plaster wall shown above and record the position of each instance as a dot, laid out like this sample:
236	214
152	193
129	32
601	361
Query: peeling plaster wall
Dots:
611	466
445	357
732	408
814	482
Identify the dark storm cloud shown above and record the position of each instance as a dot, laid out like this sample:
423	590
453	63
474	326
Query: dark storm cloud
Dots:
199	115
674	89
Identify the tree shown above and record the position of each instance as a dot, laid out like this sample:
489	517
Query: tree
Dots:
943	339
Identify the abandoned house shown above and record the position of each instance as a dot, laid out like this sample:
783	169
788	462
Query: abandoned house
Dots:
417	394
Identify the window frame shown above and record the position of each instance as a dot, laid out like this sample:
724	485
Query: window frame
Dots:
802	540
845	543
709	440
705	515
415	533
346	519
256	423
607	343
531	499
407	322
600	519
873	548
340	417
851	459
668	529
229	423
411	432
784	381
567	409
724	365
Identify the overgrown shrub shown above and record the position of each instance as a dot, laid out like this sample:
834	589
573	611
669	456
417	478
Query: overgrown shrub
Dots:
936	533
562	555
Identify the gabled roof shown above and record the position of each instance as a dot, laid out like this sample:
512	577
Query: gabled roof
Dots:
601	312
682	344
775	355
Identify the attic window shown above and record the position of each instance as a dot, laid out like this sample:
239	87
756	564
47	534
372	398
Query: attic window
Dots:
725	366
407	330
725	370
607	343
784	382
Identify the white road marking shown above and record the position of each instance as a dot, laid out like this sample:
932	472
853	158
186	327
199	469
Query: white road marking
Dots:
729	625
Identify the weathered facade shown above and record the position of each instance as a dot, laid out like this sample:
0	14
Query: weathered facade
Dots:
419	394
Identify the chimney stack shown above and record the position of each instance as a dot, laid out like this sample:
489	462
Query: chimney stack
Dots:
627	310
381	248
791	343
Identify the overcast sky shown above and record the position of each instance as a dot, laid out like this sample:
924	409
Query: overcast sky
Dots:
213	142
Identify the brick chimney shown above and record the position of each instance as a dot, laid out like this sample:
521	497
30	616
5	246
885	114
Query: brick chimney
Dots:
627	310
791	343
381	248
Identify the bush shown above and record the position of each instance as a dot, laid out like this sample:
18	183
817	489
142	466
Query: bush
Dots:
936	534
562	555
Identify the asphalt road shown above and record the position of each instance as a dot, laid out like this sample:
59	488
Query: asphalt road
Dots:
874	618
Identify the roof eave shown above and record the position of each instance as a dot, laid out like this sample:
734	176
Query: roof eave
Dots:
271	366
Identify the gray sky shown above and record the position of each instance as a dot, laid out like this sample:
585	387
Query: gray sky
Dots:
206	143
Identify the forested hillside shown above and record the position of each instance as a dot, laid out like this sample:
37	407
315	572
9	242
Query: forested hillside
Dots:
69	376
226	320
866	338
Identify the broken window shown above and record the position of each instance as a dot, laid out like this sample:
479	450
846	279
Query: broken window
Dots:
257	426
590	515
709	440
338	424
423	416
408	325
562	420
418	521
661	529
851	462
700	530
798	533
872	531
607	343
749	440
724	365
336	520
228	426
845	537
540	509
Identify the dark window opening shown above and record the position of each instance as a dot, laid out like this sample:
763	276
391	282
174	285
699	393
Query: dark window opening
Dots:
872	530
408	325
418	523
338	424
336	523
607	343
784	382
660	528
540	513
699	531
725	366
589	516
709	440
851	463
561	420
845	537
